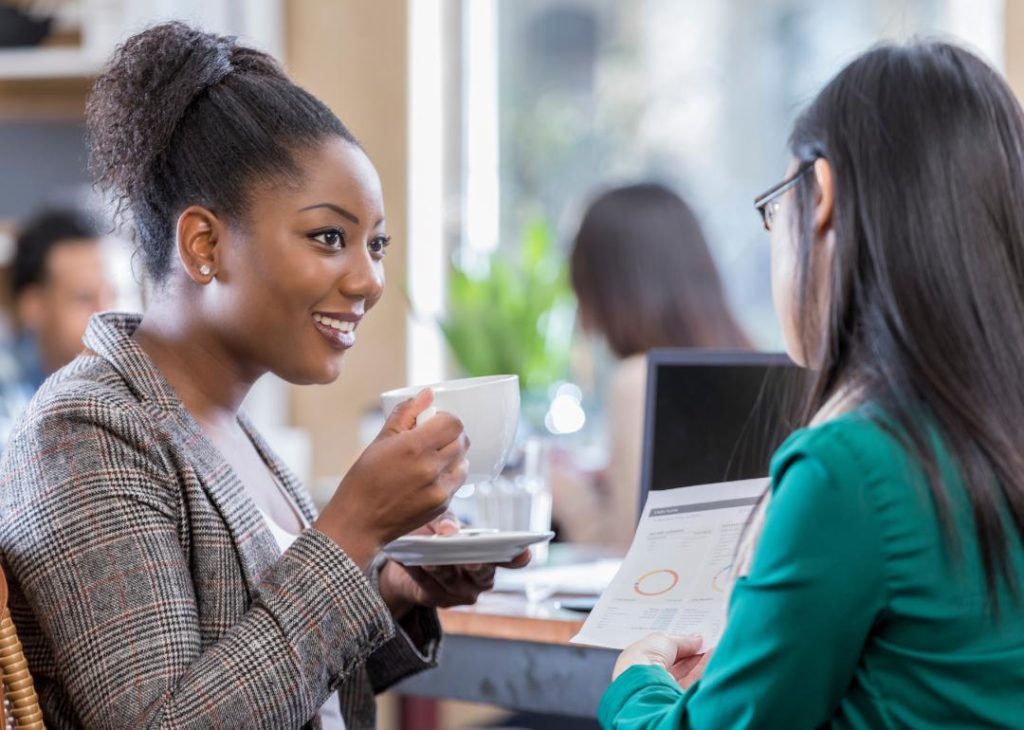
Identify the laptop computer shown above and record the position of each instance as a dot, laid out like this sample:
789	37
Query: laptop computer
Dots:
715	416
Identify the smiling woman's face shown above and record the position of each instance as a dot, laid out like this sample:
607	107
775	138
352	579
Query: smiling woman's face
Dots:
295	280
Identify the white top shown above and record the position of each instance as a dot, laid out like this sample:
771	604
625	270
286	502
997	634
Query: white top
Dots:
330	713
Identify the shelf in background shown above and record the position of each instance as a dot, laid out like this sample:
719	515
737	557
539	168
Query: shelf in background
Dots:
48	63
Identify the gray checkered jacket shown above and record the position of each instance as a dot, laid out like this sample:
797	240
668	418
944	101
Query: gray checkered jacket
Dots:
146	587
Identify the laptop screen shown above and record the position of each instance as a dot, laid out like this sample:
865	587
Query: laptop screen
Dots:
715	416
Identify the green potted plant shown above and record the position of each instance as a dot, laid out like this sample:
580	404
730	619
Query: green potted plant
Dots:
516	316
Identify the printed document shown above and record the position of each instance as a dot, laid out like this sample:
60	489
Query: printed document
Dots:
678	570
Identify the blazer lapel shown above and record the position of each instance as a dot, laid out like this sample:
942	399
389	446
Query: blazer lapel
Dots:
255	544
109	336
282	473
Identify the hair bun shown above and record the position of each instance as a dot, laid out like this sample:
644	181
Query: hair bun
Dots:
144	93
181	117
252	62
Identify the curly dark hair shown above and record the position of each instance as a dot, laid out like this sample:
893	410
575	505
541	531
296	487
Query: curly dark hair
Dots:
183	117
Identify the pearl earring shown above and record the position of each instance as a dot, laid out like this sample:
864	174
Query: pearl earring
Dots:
204	270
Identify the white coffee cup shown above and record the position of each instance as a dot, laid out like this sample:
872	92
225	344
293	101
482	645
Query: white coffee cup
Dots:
489	410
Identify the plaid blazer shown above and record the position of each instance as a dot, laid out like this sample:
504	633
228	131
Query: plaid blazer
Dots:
145	585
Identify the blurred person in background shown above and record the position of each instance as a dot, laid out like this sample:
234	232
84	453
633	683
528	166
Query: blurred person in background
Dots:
645	279
58	279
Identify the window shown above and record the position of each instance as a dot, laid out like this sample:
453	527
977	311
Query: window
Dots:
564	97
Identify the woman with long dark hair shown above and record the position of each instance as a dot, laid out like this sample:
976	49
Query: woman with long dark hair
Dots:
166	569
644	278
886	583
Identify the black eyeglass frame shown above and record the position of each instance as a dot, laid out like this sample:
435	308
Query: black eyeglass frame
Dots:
761	201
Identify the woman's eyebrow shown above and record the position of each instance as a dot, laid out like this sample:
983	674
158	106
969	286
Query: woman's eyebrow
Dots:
336	208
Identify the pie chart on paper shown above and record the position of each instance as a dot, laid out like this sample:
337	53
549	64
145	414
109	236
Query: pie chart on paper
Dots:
656	582
721	579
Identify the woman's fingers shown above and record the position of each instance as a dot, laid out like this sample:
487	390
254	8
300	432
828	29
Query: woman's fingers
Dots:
694	669
519	561
682	668
403	418
441	573
460	585
452	479
454	451
481	576
441	431
434	592
659	649
687	646
446	524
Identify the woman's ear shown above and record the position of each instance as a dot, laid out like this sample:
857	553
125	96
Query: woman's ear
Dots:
198	233
824	198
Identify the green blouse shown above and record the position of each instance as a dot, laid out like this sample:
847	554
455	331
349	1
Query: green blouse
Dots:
854	613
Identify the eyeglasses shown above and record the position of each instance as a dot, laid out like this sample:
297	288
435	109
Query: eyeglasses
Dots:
767	203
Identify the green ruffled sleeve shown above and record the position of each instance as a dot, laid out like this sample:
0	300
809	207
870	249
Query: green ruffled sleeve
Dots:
797	623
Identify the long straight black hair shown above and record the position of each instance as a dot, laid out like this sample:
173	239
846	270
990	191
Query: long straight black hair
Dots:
925	312
643	273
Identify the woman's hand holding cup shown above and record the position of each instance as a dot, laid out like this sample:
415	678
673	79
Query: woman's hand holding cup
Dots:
403	480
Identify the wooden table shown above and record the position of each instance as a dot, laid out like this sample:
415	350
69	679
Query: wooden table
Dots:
508	652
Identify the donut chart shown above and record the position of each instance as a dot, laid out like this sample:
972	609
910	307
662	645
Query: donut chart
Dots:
656	582
721	579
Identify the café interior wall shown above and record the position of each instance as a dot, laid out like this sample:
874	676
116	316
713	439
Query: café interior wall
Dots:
353	55
1013	62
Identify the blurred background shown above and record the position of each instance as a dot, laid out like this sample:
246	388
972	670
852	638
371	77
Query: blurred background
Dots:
494	124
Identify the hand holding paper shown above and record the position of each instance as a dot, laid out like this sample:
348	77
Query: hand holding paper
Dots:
676	654
677	574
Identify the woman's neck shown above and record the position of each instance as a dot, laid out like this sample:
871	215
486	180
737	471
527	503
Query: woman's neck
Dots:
195	361
844	399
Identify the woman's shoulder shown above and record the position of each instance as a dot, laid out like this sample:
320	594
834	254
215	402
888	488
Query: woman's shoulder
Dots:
858	464
88	386
81	405
855	479
849	447
83	440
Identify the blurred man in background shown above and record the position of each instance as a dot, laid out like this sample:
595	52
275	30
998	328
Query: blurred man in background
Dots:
59	278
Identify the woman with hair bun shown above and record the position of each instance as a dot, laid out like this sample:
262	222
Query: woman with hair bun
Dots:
166	570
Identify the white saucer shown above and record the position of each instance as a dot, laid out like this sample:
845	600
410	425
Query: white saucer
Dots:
462	548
